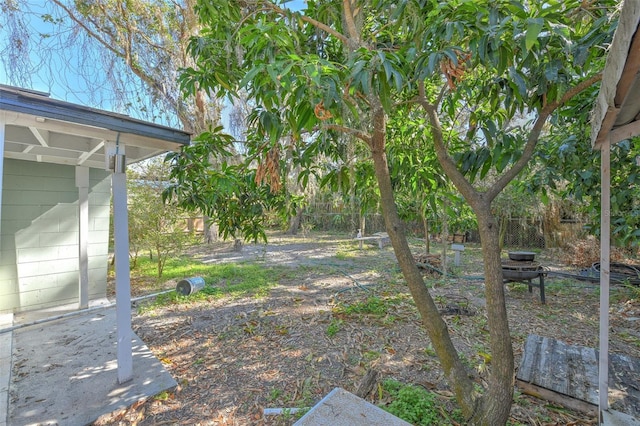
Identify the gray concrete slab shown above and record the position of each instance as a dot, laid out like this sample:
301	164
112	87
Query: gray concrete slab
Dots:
64	372
342	408
616	418
5	367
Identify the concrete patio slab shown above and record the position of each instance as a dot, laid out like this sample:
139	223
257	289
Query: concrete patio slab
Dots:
64	372
5	367
342	408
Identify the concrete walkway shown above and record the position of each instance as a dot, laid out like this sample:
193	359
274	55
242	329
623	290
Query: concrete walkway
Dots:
342	408
64	372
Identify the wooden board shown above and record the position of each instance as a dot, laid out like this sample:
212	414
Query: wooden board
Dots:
572	371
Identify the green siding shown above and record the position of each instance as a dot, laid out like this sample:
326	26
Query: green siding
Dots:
39	241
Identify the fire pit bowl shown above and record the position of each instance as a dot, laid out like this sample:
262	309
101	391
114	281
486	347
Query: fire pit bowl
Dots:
527	256
516	270
519	275
524	270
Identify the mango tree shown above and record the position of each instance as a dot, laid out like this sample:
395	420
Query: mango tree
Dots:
472	68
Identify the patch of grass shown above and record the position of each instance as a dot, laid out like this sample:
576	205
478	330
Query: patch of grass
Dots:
346	254
519	287
625	292
629	338
416	405
220	281
370	355
374	306
177	267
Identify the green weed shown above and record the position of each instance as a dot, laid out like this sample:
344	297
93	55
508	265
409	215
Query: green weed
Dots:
162	396
429	351
415	404
370	355
334	327
274	394
372	306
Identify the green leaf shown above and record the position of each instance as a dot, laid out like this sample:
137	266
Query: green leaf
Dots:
551	71
250	75
517	78
503	160
534	26
434	59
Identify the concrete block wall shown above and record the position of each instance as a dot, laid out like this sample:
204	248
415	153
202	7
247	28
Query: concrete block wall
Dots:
39	235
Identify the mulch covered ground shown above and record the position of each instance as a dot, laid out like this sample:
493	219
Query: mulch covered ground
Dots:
234	357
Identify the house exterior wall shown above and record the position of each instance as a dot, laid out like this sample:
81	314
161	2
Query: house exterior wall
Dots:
39	235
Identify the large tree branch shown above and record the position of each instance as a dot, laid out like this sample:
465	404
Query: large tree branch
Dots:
349	18
124	51
307	19
534	135
355	132
449	166
110	47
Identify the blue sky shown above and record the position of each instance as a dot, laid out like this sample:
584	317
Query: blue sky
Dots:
60	76
62	72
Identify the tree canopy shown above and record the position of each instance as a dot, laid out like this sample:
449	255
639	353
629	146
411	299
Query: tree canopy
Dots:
486	79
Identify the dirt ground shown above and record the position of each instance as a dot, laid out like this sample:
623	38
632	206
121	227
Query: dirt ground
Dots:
234	357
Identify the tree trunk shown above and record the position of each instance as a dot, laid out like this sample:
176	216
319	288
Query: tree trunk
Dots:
295	221
210	231
363	223
353	205
496	404
445	237
454	370
427	243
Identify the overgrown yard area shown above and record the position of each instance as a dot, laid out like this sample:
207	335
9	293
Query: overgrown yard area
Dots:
281	325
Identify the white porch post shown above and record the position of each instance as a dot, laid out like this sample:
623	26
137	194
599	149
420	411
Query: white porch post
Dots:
605	242
116	159
82	183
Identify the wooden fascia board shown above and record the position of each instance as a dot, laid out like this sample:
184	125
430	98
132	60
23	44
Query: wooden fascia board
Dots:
53	125
624	132
606	109
14	100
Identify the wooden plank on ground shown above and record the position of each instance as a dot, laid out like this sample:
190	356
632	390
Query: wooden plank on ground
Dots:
624	383
557	371
556	398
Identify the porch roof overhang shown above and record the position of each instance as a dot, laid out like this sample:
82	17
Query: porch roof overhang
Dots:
616	114
39	128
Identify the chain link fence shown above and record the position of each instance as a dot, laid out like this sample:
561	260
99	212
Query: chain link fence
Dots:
517	232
